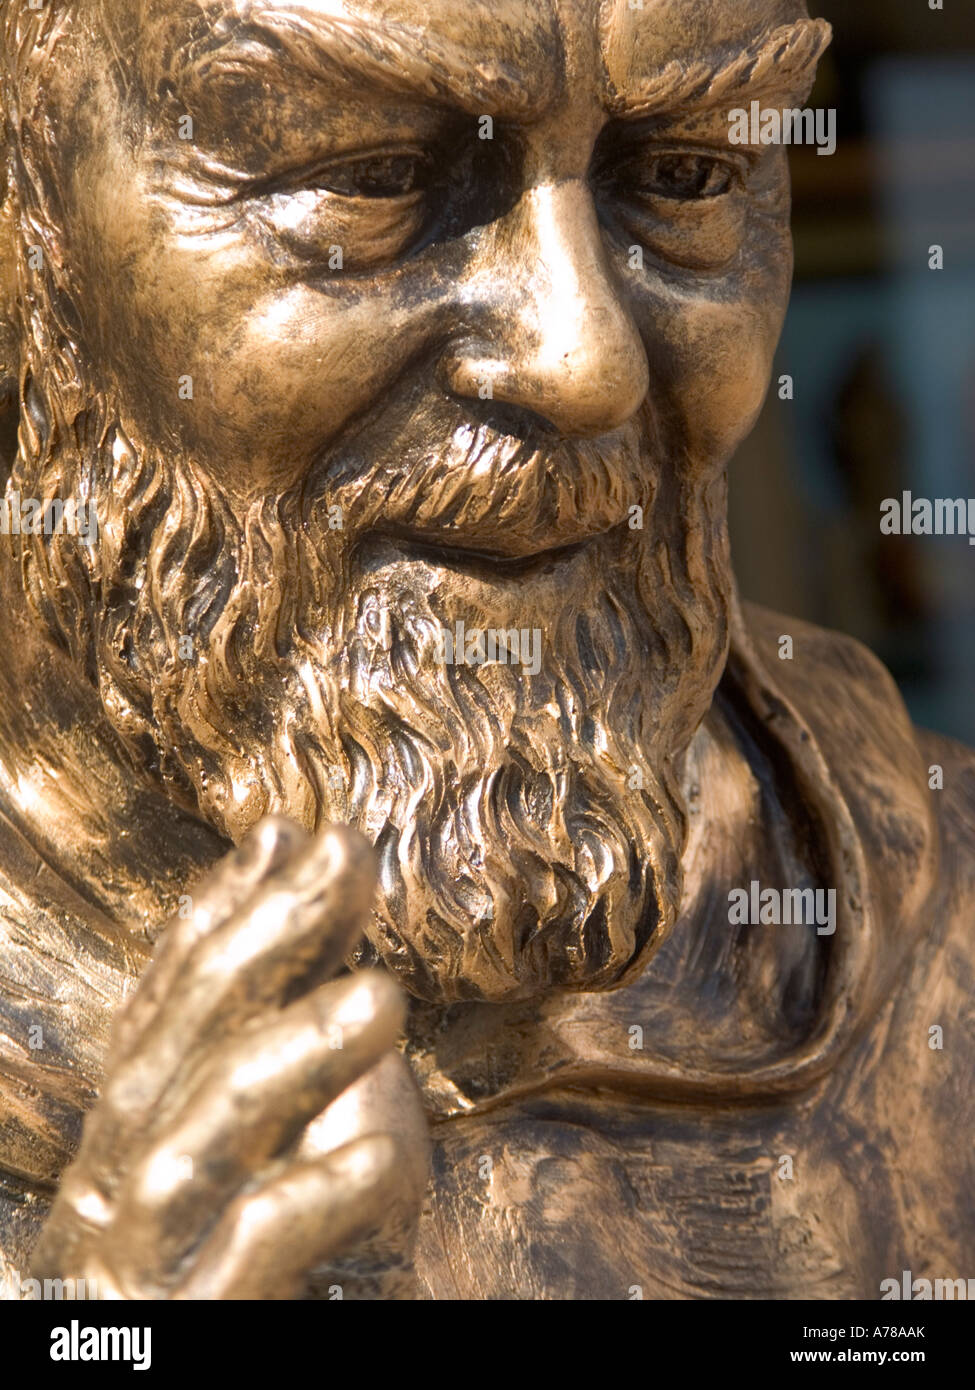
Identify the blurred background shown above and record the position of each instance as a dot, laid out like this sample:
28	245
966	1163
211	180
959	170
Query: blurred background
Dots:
881	349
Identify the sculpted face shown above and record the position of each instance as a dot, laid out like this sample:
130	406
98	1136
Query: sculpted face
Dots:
438	314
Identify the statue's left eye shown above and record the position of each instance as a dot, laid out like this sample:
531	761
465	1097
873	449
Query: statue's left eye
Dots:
376	176
680	176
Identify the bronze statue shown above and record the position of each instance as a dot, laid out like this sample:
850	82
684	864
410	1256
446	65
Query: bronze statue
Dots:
393	355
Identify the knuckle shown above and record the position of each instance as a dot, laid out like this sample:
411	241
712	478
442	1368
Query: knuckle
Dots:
273	834
370	997
344	851
370	1161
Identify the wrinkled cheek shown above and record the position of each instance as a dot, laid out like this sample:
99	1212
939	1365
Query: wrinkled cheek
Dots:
711	362
311	363
279	377
725	370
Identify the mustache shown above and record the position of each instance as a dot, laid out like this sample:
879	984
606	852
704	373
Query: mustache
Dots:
485	476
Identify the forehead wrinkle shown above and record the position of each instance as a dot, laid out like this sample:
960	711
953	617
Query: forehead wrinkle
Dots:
344	49
779	63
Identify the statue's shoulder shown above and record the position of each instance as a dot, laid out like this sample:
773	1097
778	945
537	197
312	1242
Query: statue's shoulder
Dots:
841	687
815	664
911	793
950	767
907	787
835	695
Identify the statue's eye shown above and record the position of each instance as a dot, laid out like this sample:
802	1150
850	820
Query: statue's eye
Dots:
680	176
376	176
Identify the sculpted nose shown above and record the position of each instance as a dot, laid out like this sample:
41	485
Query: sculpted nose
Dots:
553	335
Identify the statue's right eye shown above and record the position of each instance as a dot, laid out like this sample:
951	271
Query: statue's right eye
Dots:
384	175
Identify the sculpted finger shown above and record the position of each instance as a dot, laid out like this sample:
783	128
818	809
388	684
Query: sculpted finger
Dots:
249	1104
296	930
267	1241
131	1096
300	932
266	850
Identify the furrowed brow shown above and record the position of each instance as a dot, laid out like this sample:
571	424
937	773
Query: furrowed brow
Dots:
780	64
344	50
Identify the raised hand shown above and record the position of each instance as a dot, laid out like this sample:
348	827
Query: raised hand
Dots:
200	1174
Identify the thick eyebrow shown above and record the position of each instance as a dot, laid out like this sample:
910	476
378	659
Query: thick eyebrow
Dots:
779	64
346	49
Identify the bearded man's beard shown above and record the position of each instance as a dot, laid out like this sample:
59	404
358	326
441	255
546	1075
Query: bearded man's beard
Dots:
529	823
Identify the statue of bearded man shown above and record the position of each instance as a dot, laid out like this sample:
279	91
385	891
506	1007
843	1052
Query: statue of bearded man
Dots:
371	370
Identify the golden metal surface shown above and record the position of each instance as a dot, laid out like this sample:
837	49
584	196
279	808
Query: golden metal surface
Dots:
391	357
